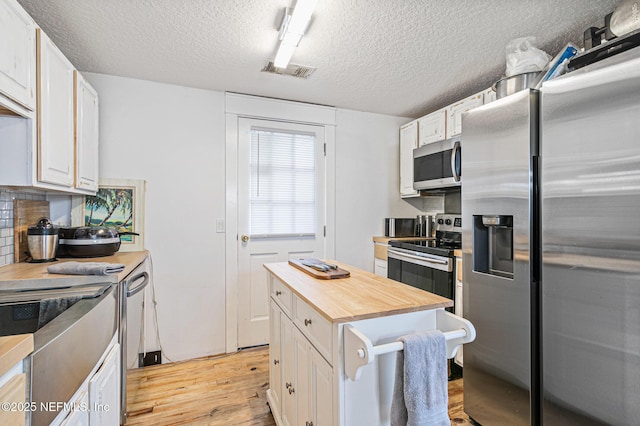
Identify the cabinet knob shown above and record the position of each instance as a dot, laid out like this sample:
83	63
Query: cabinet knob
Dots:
287	385
278	292
291	390
276	361
308	423
307	321
244	238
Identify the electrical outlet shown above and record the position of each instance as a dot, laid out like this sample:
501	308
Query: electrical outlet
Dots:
150	358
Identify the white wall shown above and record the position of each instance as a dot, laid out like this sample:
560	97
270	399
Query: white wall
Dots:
173	137
367	183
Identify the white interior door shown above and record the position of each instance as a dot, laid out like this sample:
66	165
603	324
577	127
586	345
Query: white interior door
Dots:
281	210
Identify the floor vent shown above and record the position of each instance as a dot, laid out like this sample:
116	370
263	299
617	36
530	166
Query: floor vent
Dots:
294	70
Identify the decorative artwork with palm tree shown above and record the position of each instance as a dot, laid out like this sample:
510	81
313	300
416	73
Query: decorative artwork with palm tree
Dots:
112	207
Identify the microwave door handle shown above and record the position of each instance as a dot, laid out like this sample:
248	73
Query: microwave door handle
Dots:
454	154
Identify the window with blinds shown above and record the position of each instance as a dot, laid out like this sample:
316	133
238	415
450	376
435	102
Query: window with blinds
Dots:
283	184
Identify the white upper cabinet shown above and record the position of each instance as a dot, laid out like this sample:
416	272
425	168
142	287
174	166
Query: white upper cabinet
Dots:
18	54
408	142
86	143
489	95
432	127
454	113
56	163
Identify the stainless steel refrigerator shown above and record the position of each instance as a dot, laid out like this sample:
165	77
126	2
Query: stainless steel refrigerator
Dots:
551	251
499	145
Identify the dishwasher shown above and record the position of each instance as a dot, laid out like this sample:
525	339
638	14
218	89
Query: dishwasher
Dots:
131	335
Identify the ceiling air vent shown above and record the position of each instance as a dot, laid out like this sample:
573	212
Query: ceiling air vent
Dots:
294	70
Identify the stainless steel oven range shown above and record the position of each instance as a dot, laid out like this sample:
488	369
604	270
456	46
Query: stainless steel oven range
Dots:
430	264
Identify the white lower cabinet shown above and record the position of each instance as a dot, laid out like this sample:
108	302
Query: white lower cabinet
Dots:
275	354
380	267
97	401
104	391
301	387
79	416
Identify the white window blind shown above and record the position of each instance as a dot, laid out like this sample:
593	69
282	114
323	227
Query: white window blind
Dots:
283	184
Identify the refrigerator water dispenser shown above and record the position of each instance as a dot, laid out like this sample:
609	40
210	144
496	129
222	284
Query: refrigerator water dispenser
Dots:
493	245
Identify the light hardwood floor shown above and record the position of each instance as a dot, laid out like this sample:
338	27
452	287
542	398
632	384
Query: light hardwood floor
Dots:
226	390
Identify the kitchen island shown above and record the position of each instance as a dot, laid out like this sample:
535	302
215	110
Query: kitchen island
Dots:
323	364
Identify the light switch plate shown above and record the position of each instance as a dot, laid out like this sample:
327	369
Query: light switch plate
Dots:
219	225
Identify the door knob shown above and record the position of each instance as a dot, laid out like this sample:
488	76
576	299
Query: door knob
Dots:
244	238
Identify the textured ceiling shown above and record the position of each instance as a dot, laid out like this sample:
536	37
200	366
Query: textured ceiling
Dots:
399	57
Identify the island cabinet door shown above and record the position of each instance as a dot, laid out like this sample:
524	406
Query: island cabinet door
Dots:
301	389
275	356
321	395
288	400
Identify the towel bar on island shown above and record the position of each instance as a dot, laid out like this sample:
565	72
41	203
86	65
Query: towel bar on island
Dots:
359	350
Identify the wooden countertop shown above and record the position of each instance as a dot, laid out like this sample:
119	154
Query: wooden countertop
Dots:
13	349
362	295
35	275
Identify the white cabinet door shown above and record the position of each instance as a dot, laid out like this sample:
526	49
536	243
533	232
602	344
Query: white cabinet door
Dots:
104	391
86	143
300	388
56	163
454	113
489	95
275	358
432	127
288	400
321	403
380	267
79	415
18	58
408	142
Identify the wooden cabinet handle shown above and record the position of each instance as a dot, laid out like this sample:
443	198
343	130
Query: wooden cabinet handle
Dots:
278	292
276	361
307	321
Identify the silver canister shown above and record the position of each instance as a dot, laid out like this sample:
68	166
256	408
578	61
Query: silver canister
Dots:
42	241
424	226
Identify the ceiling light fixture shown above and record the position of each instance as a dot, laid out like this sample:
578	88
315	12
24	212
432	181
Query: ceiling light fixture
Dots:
293	26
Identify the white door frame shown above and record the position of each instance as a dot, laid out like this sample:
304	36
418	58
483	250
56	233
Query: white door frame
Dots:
245	106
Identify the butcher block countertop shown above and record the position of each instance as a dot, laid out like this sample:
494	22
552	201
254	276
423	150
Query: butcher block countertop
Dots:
363	295
35	275
13	349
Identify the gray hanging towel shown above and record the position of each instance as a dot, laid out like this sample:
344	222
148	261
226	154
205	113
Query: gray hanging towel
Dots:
86	268
420	393
51	308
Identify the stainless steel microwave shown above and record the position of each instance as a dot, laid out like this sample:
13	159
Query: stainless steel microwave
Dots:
437	165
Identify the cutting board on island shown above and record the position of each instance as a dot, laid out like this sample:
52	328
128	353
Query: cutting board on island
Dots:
330	274
25	214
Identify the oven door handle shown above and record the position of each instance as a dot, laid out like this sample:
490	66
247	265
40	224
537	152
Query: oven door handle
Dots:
424	259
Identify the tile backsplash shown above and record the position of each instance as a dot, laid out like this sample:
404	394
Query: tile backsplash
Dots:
6	221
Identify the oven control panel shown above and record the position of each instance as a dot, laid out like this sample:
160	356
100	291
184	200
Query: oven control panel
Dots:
448	222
